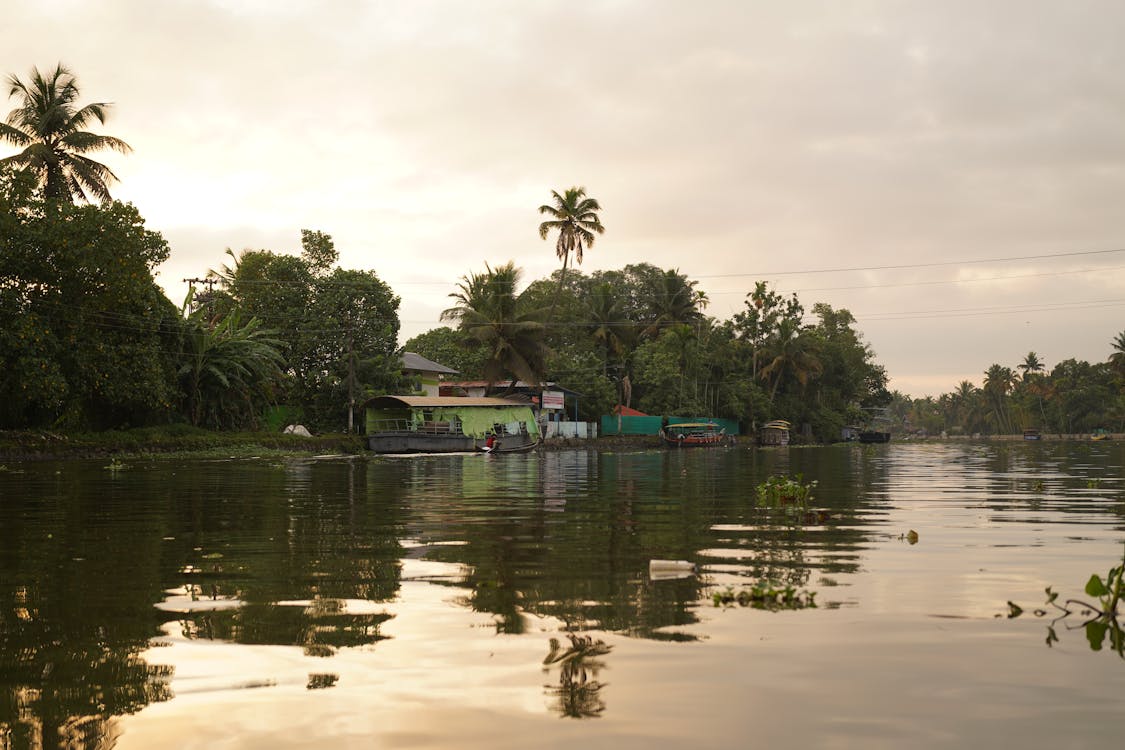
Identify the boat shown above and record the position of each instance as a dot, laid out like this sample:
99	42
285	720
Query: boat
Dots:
1100	434
774	432
878	426
693	434
449	424
1030	434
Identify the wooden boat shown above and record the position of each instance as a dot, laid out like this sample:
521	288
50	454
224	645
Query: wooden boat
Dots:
775	432
1032	435
693	434
508	443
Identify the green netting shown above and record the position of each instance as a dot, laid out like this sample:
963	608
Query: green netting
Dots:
477	421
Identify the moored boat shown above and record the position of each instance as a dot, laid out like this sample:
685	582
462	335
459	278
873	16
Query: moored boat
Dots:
1030	434
693	434
774	432
444	424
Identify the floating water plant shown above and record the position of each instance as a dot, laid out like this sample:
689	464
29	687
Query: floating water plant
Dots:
765	595
781	491
1101	619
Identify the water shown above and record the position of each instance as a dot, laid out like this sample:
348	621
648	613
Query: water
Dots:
412	602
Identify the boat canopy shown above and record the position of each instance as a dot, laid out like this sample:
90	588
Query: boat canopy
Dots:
476	416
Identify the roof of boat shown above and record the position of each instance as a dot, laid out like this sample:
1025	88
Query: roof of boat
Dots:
431	402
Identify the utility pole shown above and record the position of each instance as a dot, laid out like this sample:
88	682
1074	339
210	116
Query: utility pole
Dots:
208	297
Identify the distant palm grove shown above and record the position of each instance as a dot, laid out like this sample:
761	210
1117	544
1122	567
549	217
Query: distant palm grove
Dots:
89	341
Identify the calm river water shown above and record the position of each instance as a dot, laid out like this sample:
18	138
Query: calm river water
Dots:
507	602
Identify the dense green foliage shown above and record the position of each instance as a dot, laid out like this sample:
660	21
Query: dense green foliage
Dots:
87	339
638	336
1074	397
337	329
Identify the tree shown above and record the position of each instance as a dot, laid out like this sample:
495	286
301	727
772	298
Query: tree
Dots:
449	347
998	382
792	353
1030	364
675	301
1117	358
87	338
575	218
337	328
489	313
49	127
228	371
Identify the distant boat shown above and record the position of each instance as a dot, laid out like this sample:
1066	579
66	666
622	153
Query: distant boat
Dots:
1032	435
1100	434
693	435
774	432
874	436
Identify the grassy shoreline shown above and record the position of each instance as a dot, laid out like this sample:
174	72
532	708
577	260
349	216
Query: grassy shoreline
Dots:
185	441
180	440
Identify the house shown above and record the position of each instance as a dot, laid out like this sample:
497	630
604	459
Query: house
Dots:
426	373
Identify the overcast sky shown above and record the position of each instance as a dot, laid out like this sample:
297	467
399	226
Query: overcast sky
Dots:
734	141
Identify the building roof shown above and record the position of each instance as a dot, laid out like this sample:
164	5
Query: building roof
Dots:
431	402
412	361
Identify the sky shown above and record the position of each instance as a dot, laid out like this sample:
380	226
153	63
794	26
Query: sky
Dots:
953	173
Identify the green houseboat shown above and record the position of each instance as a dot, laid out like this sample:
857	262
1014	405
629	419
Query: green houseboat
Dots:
449	424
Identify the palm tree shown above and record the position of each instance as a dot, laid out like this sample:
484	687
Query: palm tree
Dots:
49	127
575	218
489	313
792	352
998	381
229	369
676	302
608	324
1117	359
1030	364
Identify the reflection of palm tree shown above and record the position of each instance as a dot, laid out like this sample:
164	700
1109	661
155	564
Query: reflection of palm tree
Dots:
489	312
578	691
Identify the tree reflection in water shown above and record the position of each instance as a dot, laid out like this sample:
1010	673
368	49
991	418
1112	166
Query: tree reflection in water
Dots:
578	694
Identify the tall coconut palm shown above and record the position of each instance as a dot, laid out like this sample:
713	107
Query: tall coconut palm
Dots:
1117	359
50	128
675	301
489	312
575	217
1031	364
792	352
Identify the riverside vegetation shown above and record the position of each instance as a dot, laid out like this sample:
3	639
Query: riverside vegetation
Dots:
89	342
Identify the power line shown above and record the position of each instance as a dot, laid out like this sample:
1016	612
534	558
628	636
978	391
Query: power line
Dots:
912	265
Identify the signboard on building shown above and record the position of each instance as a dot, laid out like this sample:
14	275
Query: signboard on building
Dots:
552	399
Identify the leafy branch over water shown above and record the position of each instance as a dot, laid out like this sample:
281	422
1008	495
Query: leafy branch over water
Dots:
1101	618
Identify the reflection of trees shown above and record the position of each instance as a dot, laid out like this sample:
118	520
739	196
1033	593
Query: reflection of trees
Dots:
578	694
76	593
584	561
315	532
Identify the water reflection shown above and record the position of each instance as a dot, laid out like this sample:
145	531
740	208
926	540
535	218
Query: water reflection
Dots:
578	692
95	566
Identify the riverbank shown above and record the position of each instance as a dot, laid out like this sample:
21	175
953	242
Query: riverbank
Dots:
182	440
31	445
